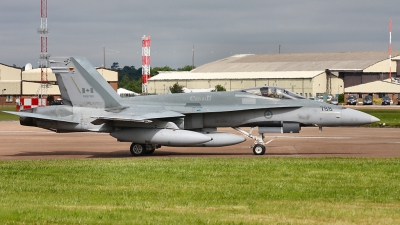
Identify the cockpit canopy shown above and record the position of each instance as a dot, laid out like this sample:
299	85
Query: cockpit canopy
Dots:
272	92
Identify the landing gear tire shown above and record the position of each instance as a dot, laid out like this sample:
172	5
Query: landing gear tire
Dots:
137	149
149	152
259	149
150	149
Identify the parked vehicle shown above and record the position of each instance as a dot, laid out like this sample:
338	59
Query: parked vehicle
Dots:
334	101
57	102
386	100
352	100
367	100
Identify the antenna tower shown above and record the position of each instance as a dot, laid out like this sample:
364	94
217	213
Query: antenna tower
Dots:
145	63
44	56
390	48
193	57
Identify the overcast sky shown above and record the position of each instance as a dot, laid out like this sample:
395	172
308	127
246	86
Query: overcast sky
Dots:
216	28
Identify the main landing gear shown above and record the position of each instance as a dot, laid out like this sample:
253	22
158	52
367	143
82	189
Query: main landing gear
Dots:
141	149
259	144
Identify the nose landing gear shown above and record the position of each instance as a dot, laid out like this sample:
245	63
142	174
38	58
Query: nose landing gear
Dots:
259	149
259	144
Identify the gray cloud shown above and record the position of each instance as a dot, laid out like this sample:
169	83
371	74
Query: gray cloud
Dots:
217	29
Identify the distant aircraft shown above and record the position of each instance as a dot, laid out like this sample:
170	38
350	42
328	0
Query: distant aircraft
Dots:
185	119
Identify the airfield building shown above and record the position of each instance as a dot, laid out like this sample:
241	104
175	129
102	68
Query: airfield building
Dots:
15	83
10	84
308	74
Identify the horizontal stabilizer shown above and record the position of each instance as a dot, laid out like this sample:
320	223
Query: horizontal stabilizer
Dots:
39	116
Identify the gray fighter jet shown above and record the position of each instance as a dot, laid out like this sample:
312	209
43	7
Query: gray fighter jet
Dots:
186	120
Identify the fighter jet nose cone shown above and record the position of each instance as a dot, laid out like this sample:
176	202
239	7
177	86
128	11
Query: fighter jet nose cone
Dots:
351	117
374	119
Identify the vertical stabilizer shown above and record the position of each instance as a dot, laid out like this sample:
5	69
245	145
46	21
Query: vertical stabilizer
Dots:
81	85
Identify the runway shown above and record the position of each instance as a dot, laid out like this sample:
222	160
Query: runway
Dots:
19	143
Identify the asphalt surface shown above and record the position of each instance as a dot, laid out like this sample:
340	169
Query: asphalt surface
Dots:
19	143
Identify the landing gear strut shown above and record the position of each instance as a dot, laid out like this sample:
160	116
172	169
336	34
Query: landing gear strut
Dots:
259	144
141	149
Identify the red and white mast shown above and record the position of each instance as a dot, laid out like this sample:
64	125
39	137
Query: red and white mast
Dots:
44	56
145	63
390	48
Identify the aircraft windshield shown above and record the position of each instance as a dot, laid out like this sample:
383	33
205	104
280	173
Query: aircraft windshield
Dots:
272	92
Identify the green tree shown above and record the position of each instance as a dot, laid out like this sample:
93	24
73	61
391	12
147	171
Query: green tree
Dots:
129	71
130	78
115	66
341	98
186	68
176	88
135	86
122	82
154	71
219	87
131	84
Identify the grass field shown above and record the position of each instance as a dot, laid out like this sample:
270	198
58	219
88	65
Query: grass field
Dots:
391	117
6	116
201	191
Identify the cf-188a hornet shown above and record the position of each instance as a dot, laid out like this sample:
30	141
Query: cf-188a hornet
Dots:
180	120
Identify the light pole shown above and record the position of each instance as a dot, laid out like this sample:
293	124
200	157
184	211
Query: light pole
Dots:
2	95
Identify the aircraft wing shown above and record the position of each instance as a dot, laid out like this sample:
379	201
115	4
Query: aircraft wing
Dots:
40	116
146	113
141	117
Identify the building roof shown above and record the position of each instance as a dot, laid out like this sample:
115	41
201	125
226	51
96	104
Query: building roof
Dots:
35	74
174	75
379	86
15	67
336	61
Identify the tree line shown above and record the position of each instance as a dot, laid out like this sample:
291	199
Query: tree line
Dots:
130	78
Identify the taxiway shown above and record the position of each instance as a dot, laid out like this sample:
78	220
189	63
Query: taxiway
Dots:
18	143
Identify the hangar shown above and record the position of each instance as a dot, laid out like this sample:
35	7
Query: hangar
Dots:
308	74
